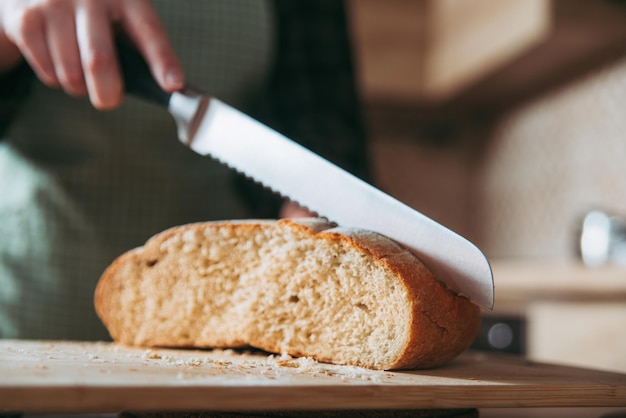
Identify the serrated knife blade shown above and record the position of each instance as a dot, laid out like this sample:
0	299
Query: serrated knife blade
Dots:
211	127
278	163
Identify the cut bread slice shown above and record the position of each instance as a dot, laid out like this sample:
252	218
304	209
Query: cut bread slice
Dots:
297	287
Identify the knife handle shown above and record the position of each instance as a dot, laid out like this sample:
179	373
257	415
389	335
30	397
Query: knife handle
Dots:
138	80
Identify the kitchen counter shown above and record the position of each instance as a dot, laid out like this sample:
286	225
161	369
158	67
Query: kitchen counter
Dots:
521	282
571	314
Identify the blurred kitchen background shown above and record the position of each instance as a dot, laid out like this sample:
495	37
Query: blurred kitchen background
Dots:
505	120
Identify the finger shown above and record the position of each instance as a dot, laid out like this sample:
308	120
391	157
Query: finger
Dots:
63	48
27	31
99	62
290	209
142	25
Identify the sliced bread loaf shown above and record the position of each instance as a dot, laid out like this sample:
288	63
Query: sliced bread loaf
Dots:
301	287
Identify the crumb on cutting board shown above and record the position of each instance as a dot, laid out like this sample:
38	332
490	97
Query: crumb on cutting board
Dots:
271	366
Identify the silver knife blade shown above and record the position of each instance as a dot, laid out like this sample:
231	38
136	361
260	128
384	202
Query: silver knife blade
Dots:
211	127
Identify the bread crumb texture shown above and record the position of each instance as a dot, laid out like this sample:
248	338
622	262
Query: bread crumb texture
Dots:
302	288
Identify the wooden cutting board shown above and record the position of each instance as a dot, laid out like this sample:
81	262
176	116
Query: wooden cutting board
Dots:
61	376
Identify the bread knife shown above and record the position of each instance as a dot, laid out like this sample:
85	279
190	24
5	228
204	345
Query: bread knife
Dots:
212	128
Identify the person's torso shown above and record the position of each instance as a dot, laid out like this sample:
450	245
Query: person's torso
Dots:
80	186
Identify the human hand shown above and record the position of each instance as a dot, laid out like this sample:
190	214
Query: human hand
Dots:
291	209
70	44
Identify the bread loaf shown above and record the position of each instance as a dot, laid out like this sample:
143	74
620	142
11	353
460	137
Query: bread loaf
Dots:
300	287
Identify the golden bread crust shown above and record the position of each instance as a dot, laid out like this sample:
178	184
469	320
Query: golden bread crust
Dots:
301	287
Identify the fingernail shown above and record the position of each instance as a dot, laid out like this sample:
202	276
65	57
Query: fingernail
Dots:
174	79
